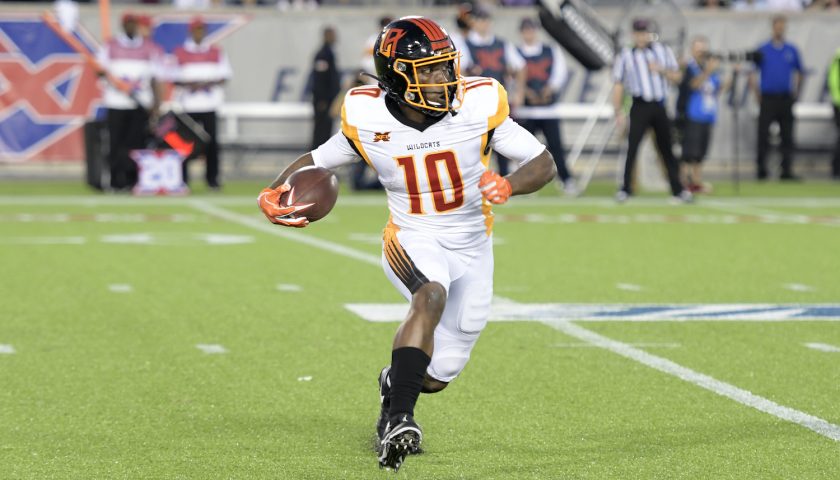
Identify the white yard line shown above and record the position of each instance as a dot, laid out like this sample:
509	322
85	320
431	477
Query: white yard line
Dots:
120	288
640	345
6	349
739	395
261	224
288	287
823	347
629	287
732	392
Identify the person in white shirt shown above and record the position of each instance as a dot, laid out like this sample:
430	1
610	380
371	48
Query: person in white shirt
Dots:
201	70
137	62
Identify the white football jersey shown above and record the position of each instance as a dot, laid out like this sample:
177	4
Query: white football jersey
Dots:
431	173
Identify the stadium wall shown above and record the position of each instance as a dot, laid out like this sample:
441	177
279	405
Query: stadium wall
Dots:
271	56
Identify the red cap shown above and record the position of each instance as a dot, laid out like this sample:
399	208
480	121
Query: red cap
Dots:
129	17
144	20
196	22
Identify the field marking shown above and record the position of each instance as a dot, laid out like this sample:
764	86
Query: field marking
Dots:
211	348
120	288
43	240
6	349
510	311
350	200
261	224
714	385
799	287
305	378
288	287
640	345
629	287
823	347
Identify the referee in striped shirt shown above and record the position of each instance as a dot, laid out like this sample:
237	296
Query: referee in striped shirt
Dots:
645	71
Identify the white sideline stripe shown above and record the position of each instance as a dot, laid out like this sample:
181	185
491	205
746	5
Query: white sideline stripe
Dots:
349	200
823	347
6	349
211	348
730	391
261	224
642	344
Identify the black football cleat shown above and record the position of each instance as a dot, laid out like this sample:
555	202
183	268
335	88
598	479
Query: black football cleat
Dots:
401	439
384	405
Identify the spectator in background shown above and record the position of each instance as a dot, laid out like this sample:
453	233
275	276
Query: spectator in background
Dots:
703	82
749	5
495	58
546	74
201	70
138	62
834	87
785	5
367	65
824	4
463	21
144	26
326	83
780	68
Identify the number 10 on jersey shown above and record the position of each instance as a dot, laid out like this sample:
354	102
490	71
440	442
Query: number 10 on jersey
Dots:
433	161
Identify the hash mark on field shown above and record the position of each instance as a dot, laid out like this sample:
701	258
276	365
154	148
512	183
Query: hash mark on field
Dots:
823	347
630	287
714	385
799	287
306	378
211	348
288	287
6	349
120	288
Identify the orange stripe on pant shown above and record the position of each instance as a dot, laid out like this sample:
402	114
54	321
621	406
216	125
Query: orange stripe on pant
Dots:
400	262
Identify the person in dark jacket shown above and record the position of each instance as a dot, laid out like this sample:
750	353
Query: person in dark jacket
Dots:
326	83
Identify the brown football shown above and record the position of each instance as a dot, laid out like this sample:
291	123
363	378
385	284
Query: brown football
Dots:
314	190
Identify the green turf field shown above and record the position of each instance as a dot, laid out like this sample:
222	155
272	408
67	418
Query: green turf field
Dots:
110	305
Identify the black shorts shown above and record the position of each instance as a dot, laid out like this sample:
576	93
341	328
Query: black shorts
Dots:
695	143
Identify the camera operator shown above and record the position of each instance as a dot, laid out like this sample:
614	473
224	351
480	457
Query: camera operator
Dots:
781	77
702	82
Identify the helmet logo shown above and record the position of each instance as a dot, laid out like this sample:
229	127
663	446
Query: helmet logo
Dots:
388	47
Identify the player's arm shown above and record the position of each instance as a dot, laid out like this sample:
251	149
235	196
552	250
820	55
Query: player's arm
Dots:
335	152
304	160
533	175
536	165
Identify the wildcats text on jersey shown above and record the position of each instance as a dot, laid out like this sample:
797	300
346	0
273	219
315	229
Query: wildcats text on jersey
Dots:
423	145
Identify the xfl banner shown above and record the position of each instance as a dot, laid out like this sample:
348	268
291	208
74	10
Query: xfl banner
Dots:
48	91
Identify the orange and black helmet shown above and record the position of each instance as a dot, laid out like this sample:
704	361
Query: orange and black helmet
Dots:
411	43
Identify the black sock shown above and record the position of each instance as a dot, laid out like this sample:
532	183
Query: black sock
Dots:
408	367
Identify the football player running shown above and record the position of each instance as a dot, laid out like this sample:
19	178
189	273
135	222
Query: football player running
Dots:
428	132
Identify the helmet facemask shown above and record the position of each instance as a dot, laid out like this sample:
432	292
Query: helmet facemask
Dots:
453	87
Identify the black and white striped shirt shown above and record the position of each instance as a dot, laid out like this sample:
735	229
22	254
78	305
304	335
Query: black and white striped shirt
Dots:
631	69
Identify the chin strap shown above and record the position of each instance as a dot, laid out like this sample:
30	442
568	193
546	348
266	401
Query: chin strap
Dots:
366	74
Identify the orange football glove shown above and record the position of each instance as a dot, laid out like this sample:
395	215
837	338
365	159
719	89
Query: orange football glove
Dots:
269	202
494	187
